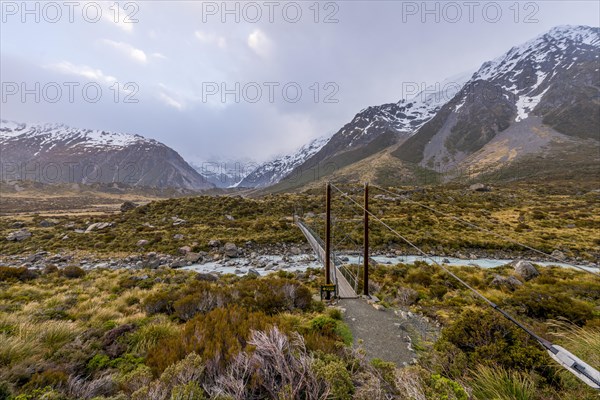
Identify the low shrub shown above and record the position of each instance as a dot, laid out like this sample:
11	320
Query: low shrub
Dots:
17	274
333	370
72	272
419	277
216	336
547	305
479	336
159	302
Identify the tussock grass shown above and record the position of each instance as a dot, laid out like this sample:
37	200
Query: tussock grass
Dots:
499	384
147	336
54	334
584	342
14	349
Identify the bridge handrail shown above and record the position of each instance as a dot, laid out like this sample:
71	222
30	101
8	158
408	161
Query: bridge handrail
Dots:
315	236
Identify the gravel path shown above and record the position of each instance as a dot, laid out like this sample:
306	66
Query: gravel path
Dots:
386	334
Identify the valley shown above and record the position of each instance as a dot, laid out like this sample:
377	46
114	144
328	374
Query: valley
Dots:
127	272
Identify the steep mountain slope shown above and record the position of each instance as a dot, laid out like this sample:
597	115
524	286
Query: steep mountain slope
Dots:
55	153
273	171
371	131
544	91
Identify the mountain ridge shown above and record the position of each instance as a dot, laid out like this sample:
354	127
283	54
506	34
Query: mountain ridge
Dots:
55	152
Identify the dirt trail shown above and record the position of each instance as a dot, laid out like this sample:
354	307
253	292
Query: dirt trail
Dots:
386	334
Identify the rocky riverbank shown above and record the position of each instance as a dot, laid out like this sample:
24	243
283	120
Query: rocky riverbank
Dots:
248	258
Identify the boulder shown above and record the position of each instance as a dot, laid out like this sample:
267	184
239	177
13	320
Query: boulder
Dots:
185	249
48	223
558	254
229	217
17	225
510	282
153	264
178	264
19	235
214	243
127	206
295	251
253	272
231	250
98	226
177	221
193	257
178	236
141	243
480	187
525	269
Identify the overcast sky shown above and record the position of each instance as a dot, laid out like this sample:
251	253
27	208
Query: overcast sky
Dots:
221	81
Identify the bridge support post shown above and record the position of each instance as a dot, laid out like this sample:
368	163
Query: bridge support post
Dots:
328	235
366	242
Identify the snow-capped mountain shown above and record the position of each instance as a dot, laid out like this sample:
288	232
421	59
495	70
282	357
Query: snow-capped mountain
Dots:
375	128
224	173
404	117
372	129
56	153
544	90
273	171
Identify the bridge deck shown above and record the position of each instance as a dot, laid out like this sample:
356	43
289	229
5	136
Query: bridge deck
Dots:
345	290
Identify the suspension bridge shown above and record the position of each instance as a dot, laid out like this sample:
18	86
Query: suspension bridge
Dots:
344	283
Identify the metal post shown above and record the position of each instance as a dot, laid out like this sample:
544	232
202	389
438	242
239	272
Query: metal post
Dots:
366	243
328	235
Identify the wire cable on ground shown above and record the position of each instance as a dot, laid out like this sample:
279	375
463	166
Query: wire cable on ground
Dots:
579	368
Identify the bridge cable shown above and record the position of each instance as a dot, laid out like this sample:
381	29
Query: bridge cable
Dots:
463	221
343	266
576	366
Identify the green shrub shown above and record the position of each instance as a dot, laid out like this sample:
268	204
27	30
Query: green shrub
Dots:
419	277
98	362
438	291
443	388
335	313
547	305
482	336
334	371
333	328
203	299
272	295
324	325
385	368
159	302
